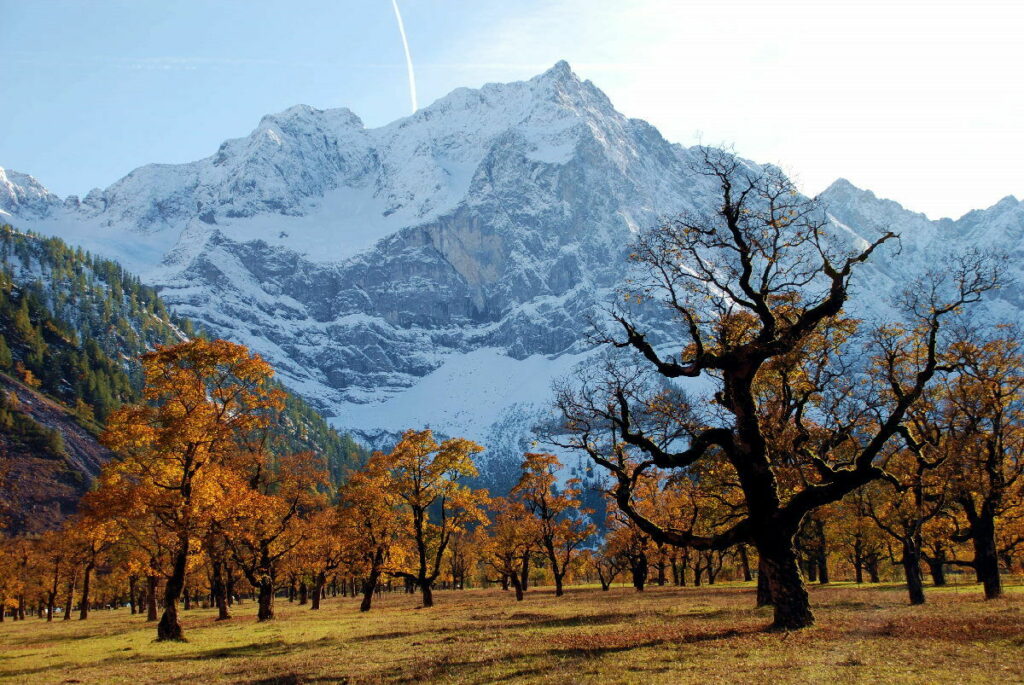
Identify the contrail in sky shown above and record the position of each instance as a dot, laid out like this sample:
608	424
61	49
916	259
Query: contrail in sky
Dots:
408	57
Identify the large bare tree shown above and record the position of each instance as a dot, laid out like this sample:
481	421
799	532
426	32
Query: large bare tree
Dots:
756	290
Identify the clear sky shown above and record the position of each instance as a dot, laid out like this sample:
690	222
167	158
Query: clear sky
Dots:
921	102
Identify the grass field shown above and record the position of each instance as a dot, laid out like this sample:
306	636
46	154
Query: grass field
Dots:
671	635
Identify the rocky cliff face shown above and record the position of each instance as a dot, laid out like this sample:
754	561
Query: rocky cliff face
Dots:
438	270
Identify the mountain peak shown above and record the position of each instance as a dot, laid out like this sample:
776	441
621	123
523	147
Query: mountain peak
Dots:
341	117
561	71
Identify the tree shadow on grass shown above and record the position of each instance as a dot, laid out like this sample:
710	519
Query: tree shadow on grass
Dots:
447	668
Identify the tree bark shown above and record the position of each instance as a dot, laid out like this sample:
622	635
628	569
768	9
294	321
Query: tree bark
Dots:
518	587
937	571
69	599
745	564
986	560
318	591
266	600
219	590
151	582
169	628
789	597
872	568
912	570
83	607
639	570
370	584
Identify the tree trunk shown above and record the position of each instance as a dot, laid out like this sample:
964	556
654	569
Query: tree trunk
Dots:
428	594
370	584
266	600
822	562
912	570
151	598
219	590
524	579
518	587
745	564
303	593
812	571
986	560
872	568
69	599
937	571
83	607
169	628
789	597
639	570
133	586
558	585
318	591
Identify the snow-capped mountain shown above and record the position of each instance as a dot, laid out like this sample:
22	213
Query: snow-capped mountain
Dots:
435	271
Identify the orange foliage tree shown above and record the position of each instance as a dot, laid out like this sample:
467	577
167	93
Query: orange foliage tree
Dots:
436	505
202	399
561	528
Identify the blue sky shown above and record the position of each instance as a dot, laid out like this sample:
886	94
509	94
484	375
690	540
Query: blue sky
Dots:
919	101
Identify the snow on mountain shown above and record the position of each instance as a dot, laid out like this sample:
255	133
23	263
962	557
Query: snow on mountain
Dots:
438	270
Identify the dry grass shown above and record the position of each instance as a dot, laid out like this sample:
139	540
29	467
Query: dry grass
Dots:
671	635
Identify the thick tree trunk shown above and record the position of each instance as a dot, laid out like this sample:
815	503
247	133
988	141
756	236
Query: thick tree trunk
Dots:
318	591
428	593
639	570
912	571
558	585
219	590
937	571
812	571
151	582
369	585
83	607
518	587
265	612
524	578
789	597
169	628
986	560
872	568
303	593
822	563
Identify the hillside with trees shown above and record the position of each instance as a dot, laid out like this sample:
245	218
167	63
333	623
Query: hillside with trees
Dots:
72	330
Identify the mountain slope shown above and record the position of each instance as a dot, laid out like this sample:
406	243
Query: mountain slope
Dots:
72	328
441	269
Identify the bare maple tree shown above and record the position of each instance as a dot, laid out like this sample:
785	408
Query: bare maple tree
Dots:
756	291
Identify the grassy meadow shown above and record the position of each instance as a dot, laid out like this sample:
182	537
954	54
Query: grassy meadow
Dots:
666	634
